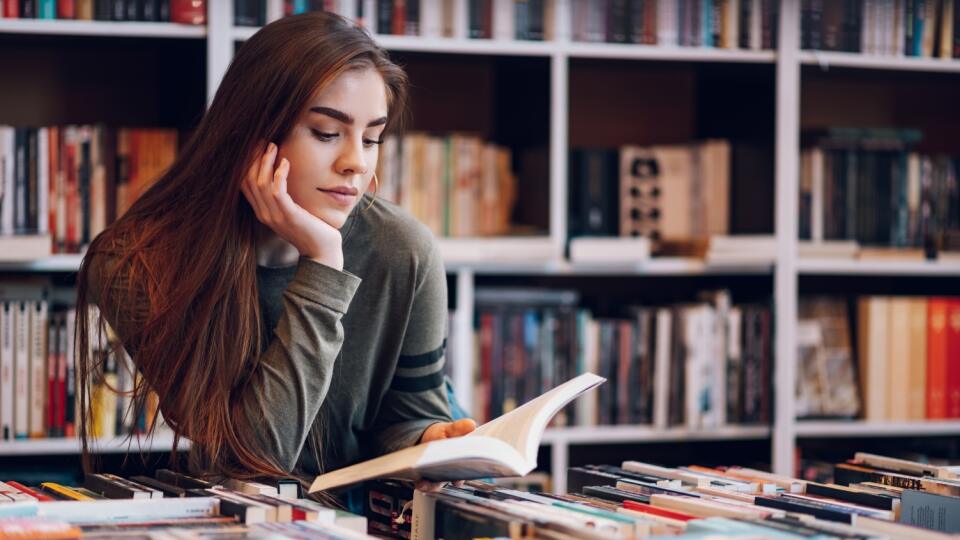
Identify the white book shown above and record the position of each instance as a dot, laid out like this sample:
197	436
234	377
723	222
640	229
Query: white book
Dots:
500	250
431	19
732	23
832	249
21	376
756	27
6	370
460	19
251	488
26	247
592	402
7	161
613	249
38	367
129	510
661	369
503	20
505	446
667	23
43	181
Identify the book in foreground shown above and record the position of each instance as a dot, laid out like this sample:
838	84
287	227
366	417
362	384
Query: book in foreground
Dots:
505	446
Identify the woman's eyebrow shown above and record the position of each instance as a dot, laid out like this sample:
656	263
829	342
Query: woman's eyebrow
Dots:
344	117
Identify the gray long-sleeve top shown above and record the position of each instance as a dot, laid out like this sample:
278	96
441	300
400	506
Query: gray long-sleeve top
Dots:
354	363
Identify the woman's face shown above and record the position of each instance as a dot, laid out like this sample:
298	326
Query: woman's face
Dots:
333	147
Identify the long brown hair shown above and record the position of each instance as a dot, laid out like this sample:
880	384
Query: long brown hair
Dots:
184	253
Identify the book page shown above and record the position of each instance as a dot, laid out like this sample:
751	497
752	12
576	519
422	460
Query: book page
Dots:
447	459
522	427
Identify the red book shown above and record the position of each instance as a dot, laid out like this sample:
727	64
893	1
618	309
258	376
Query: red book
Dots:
33	493
937	358
657	511
11	9
953	358
66	9
399	20
188	11
60	418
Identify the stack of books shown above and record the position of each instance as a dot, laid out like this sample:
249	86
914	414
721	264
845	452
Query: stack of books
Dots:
170	505
873	496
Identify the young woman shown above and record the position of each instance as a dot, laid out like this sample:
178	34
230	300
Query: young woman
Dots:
288	321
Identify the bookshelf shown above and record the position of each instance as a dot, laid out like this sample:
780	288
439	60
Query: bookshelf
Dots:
471	259
102	29
117	445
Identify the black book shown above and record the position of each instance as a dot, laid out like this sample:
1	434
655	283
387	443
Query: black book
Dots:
609	493
112	489
579	478
118	10
535	19
21	197
182	480
169	490
33	168
28	9
384	16
863	498
804	507
412	23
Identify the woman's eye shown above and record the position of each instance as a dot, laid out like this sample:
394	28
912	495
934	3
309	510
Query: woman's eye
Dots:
370	143
323	136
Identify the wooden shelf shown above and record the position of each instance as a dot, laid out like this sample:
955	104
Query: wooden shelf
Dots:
57	446
826	60
640	434
860	428
102	28
857	267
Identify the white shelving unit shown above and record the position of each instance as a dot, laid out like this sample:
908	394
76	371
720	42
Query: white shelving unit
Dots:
117	445
494	256
846	428
101	28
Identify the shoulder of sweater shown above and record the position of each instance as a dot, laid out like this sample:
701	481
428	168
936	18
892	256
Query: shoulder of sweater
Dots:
393	233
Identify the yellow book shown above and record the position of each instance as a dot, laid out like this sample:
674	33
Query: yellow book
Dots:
898	343
917	401
66	492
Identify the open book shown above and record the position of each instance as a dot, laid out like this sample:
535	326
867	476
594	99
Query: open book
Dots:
505	446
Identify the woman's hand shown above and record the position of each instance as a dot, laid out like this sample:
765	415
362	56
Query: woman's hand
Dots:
265	188
444	430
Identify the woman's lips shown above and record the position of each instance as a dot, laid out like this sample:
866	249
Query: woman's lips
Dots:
342	195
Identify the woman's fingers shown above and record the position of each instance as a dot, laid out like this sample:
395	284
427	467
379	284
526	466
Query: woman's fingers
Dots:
261	183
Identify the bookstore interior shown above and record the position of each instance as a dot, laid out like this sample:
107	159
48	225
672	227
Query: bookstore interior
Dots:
702	266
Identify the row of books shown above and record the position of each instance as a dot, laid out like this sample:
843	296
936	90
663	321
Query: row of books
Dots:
696	365
485	19
720	24
38	392
173	505
909	349
64	184
668	193
457	185
920	28
176	11
868	186
642	500
896	362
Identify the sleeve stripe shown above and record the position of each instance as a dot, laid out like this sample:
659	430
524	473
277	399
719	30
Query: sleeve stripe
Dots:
420	360
413	373
417	384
